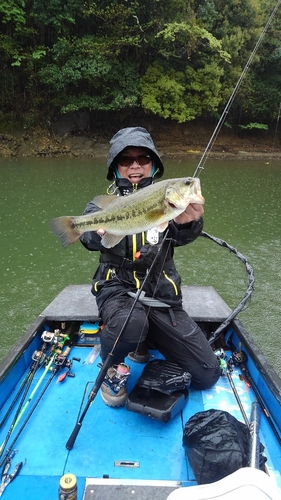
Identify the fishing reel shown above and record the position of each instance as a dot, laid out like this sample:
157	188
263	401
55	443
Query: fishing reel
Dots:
61	361
53	338
238	358
38	357
222	358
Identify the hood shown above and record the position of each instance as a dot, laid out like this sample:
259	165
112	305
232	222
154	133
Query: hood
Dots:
132	136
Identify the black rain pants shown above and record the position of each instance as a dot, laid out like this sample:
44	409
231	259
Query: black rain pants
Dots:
177	337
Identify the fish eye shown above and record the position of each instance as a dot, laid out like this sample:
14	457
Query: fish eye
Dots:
187	183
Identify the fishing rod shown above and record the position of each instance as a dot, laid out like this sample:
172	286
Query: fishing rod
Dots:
15	422
49	338
37	358
248	292
228	374
239	357
60	361
221	121
254	444
57	341
226	369
254	450
100	378
253	425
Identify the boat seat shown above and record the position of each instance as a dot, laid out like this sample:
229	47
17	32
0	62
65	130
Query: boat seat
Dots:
161	391
244	483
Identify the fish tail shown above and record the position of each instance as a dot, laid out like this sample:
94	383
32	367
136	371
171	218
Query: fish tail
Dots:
64	228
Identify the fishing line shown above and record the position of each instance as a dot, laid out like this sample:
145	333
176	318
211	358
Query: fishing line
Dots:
220	123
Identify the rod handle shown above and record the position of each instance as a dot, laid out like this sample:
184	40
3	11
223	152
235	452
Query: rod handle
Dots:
70	443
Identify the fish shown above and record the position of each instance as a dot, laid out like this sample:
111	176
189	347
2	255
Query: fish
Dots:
151	207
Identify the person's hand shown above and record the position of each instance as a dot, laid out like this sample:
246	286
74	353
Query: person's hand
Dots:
100	232
192	212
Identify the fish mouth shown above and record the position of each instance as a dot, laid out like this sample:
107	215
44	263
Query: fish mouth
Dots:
172	205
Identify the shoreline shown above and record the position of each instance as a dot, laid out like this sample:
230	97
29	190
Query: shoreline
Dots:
171	144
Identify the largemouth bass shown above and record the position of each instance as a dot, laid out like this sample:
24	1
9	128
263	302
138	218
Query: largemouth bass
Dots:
150	207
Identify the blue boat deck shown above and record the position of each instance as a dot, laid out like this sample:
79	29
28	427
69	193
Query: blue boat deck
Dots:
113	444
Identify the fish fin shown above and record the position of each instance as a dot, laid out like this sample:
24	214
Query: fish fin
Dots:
104	200
110	240
63	228
162	227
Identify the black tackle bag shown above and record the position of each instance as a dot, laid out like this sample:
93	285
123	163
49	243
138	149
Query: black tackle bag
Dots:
216	445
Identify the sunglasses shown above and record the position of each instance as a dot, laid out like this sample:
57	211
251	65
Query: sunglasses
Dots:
127	161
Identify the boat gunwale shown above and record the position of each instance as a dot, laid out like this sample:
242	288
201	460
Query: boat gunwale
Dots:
263	366
20	347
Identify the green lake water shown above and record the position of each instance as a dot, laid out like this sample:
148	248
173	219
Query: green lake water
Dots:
242	208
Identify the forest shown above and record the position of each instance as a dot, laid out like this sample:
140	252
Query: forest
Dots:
173	59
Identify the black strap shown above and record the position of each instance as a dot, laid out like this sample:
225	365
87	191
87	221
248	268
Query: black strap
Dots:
116	260
121	262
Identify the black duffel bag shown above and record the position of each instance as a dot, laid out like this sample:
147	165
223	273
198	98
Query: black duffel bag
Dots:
216	444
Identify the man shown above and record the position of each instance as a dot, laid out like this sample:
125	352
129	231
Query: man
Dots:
133	163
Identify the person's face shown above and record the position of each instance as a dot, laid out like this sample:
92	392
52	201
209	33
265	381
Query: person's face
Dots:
134	164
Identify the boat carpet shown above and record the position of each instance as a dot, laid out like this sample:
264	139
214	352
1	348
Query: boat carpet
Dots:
112	443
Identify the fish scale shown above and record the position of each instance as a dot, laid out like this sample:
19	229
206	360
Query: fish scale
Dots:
119	216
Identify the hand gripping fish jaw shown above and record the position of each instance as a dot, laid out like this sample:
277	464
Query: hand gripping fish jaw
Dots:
179	199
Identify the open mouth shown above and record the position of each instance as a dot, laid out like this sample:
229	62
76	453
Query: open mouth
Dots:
135	177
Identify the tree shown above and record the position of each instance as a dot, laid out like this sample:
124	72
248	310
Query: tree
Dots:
178	59
184	84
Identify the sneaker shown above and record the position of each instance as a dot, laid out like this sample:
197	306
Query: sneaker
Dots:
141	356
113	388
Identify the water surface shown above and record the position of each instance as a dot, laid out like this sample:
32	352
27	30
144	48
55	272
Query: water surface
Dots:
242	208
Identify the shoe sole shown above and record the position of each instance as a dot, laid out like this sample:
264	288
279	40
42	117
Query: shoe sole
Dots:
138	358
112	401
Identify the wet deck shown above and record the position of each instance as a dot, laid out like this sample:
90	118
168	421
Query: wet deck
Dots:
76	302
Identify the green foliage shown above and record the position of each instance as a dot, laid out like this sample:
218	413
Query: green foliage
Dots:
176	59
251	126
12	12
184	40
181	96
86	74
